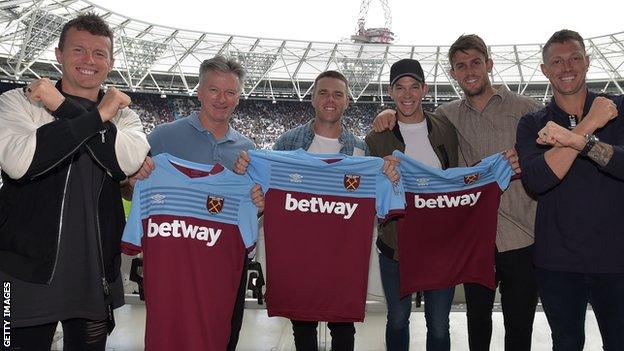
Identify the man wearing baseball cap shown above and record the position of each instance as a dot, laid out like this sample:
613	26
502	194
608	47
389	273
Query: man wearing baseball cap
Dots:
431	140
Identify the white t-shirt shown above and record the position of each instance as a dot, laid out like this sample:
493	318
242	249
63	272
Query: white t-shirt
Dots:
323	145
417	145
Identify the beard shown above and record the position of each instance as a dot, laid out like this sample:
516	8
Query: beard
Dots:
475	91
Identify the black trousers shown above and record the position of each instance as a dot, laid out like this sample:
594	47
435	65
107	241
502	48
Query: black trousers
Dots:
239	308
342	334
78	335
515	277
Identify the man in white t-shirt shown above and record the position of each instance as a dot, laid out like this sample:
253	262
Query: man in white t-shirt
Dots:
324	134
432	140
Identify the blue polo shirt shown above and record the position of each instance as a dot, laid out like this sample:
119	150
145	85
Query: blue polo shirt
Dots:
186	138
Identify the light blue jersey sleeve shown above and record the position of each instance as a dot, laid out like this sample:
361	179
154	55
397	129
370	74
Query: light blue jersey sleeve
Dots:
259	169
133	232
248	221
390	198
500	168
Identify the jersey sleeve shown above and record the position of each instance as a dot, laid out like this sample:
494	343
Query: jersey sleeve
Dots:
259	169
501	169
248	222
133	232
390	198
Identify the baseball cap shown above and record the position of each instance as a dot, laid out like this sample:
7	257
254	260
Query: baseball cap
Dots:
406	67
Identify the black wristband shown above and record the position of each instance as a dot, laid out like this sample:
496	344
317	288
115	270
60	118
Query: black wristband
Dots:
591	142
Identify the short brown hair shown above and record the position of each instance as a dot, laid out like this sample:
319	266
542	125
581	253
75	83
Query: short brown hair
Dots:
465	43
561	37
331	74
90	22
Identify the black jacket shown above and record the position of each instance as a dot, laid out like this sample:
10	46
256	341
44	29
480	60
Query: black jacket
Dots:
31	207
443	139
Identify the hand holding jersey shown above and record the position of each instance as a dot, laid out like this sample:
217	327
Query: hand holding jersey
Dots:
320	209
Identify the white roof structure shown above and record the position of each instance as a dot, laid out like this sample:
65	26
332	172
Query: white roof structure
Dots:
159	59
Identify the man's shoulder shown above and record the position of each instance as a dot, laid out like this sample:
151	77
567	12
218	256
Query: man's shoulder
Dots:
536	114
289	137
13	96
378	137
523	99
241	138
439	120
452	105
173	126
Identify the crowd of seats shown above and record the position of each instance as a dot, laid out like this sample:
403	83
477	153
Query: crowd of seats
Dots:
263	121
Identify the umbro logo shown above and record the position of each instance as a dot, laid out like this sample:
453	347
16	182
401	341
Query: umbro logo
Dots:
158	199
296	178
422	181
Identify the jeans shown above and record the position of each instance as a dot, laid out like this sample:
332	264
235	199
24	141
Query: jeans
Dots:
437	308
342	335
78	335
515	277
565	296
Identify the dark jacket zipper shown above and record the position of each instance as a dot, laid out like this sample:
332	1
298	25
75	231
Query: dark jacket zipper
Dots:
58	238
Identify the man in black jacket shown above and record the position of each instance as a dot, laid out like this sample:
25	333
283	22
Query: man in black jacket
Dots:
64	149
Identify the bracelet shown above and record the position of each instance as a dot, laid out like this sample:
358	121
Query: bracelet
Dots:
591	142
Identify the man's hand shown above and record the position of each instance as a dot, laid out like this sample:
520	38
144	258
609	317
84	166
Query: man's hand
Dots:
390	168
241	163
602	111
555	135
113	101
512	157
42	90
144	172
386	119
257	196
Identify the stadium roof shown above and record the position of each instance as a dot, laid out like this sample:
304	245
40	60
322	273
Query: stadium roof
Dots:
165	60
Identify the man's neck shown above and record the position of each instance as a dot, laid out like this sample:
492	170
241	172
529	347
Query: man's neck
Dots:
478	102
417	117
327	129
89	94
572	104
217	129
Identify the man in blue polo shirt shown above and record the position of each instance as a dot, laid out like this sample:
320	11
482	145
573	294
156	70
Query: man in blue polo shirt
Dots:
207	137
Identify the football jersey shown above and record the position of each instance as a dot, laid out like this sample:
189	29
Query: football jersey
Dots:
448	233
193	223
318	222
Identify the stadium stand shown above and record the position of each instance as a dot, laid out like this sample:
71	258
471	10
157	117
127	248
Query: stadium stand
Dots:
263	121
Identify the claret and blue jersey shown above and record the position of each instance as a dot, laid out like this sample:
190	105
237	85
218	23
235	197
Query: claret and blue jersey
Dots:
193	223
448	234
319	218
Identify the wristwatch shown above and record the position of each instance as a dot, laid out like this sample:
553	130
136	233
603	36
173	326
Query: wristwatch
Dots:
591	141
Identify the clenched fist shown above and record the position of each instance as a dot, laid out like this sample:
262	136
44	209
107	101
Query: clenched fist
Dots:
113	101
42	90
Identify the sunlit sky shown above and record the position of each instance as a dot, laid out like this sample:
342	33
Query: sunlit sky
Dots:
414	22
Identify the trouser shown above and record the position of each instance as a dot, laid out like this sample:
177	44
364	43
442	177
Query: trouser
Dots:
437	308
239	308
78	335
565	296
342	335
515	277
